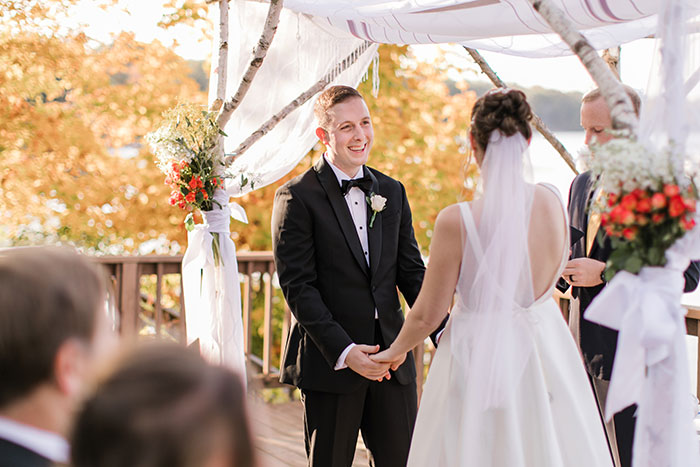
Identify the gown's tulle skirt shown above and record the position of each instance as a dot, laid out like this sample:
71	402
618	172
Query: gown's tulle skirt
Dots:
553	420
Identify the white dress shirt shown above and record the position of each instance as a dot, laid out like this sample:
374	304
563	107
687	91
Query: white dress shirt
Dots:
45	443
357	204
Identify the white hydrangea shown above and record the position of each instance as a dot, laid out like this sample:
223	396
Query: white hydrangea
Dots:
185	132
166	150
626	164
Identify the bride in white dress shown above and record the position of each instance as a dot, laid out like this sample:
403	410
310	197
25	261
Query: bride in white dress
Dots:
507	386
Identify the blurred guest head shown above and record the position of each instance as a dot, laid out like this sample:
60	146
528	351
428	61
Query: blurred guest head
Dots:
53	331
164	406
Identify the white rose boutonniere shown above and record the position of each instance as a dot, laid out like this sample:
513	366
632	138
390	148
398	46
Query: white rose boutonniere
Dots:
377	203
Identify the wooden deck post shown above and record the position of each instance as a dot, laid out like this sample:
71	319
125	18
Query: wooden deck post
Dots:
267	323
129	294
158	307
247	306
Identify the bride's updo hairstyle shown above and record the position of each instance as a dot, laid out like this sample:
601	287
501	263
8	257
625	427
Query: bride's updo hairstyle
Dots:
501	109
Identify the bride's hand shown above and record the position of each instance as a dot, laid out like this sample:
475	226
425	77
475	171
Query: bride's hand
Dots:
389	356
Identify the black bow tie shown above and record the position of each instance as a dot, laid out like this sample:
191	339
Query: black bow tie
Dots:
364	184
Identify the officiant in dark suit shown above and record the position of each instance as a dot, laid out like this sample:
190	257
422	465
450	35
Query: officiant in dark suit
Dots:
584	272
343	243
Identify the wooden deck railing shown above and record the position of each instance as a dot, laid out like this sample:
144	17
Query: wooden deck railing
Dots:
148	295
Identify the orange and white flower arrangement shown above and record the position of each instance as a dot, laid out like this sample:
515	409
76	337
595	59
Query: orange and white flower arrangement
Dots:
646	206
185	146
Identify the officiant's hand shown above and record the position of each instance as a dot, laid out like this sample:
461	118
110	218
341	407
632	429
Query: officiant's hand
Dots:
358	360
390	357
583	272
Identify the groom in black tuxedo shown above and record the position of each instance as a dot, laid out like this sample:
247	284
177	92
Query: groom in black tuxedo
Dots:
584	273
343	243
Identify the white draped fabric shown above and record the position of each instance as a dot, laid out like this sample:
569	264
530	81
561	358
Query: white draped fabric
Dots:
507	26
212	294
302	53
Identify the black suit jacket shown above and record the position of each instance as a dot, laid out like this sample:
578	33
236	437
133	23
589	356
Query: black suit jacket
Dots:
598	343
326	281
14	455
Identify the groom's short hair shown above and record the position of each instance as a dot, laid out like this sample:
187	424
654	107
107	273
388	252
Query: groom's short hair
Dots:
330	97
48	296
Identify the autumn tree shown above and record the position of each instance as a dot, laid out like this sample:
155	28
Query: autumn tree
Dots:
72	116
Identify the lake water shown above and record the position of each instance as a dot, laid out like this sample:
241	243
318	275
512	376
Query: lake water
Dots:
548	166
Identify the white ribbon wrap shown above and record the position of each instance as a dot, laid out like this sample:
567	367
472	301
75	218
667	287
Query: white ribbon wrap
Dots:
212	293
651	368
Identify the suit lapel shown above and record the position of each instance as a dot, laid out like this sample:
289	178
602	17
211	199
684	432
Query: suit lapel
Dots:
374	235
329	182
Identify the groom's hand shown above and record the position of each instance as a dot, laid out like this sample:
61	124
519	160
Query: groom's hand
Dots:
358	361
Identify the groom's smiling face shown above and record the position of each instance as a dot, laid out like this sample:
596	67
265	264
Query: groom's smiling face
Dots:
348	135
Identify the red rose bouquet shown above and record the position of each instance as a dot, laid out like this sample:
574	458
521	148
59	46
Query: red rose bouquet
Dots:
645	207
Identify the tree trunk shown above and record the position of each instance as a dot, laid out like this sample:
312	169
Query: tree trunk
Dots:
612	58
621	110
536	120
271	22
221	69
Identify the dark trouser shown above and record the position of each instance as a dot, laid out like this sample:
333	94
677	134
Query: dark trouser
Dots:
384	412
620	430
624	432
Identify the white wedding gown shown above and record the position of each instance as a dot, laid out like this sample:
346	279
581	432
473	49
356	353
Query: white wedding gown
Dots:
551	418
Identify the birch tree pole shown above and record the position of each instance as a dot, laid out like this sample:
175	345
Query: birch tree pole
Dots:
621	109
219	104
221	69
268	33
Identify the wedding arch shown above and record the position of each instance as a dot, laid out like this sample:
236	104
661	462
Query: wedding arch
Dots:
271	58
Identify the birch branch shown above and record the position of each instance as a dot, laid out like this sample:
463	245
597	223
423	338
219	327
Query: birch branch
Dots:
612	58
621	110
299	101
536	120
221	69
269	30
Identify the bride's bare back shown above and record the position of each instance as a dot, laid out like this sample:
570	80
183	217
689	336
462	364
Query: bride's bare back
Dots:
546	239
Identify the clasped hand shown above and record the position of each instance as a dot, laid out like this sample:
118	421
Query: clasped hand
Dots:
364	360
389	357
359	360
